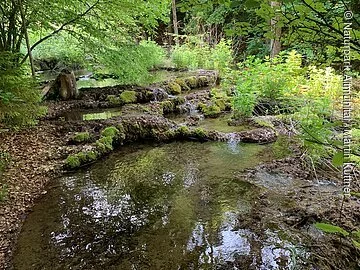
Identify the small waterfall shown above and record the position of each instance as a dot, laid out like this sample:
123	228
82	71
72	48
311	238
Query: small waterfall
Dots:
233	143
160	94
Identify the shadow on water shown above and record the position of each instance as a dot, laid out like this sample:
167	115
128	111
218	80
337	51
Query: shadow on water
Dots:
172	206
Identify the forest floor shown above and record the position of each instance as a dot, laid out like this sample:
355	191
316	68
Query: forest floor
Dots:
38	154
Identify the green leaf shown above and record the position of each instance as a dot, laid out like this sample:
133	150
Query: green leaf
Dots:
325	227
338	159
356	244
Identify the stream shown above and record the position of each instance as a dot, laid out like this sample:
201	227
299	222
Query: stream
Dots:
155	206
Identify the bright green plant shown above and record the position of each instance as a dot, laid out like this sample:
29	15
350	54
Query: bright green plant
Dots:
329	228
198	54
267	80
19	95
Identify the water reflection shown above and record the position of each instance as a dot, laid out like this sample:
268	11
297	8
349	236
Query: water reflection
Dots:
172	206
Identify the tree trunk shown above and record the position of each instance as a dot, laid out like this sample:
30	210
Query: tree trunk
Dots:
175	22
64	87
23	20
275	44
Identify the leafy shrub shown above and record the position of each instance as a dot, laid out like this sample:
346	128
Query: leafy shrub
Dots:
19	96
197	54
266	80
62	49
130	62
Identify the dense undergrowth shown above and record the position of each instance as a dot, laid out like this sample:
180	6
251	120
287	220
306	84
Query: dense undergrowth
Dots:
19	95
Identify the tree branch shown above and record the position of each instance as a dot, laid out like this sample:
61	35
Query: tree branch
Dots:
60	29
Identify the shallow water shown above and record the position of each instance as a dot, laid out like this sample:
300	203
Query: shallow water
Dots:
87	115
172	206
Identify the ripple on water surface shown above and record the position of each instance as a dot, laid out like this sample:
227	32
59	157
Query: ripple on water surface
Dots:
172	206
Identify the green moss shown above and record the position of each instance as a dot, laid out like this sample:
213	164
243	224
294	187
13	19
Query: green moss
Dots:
174	88
211	111
81	137
183	131
192	82
128	97
221	104
203	81
183	85
170	134
110	132
122	132
179	100
72	161
263	123
113	100
91	155
167	106
200	133
104	144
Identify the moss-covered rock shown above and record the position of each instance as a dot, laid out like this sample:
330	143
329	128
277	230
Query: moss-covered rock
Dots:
81	137
183	131
113	100
128	97
192	82
112	132
72	162
104	144
183	84
174	88
179	100
81	158
220	102
200	133
211	111
167	106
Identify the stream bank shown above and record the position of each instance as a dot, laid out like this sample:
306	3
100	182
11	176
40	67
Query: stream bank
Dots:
156	114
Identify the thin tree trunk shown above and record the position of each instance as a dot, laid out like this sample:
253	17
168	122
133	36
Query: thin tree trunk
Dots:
275	44
23	20
175	22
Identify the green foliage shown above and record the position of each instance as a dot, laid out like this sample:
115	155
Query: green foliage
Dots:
19	95
129	62
81	137
63	50
197	54
128	97
268	80
331	228
104	144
